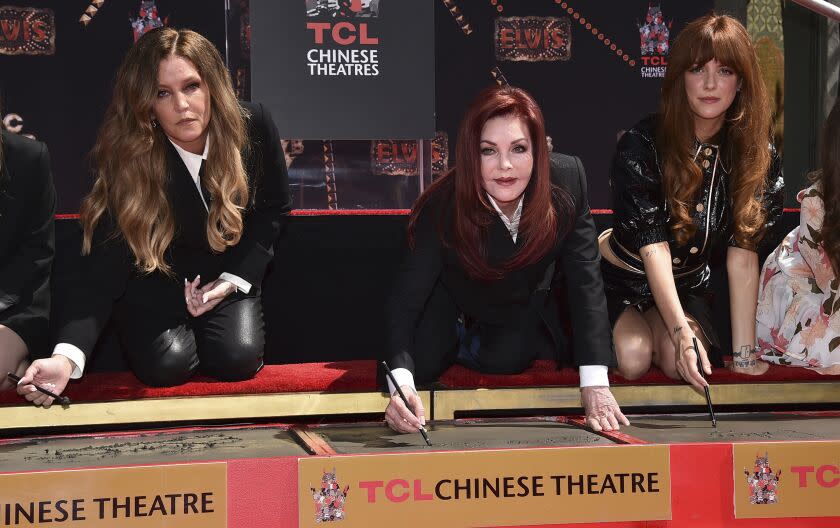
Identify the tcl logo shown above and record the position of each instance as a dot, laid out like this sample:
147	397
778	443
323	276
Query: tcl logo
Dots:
396	490
342	33
825	476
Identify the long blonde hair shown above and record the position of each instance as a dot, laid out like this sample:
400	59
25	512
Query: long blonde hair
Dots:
747	127
129	157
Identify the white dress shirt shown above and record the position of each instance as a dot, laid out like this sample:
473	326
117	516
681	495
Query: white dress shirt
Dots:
590	375
193	163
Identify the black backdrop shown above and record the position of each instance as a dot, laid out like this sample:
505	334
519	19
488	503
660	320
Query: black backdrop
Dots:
587	100
62	97
325	291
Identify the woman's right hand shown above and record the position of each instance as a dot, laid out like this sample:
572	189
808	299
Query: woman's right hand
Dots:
686	360
399	417
51	373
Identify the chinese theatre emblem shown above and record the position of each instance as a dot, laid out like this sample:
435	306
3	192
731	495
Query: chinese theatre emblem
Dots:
655	40
763	482
343	8
329	500
147	19
655	34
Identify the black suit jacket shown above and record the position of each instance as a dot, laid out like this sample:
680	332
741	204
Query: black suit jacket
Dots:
110	282
505	303
27	238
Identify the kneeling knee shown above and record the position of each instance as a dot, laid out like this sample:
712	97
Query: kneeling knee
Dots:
174	362
634	359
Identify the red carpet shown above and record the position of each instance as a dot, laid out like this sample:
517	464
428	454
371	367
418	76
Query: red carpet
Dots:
340	376
545	373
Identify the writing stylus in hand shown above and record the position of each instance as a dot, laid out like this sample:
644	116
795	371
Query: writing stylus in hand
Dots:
63	400
405	400
705	387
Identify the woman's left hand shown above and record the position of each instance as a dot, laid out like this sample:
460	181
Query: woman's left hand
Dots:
202	300
602	411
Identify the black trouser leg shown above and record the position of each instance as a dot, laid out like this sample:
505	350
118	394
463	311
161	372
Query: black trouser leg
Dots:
435	340
231	339
505	349
159	356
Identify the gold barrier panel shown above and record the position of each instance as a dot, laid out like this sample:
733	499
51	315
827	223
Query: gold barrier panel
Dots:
183	495
229	407
448	402
791	479
508	487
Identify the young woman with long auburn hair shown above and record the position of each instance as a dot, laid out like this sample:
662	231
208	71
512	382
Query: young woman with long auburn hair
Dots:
27	241
190	193
798	315
488	242
698	176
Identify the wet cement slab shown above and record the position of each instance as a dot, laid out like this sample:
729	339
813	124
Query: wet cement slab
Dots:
734	427
147	448
457	437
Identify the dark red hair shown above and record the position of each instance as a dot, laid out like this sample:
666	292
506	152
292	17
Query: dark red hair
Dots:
472	212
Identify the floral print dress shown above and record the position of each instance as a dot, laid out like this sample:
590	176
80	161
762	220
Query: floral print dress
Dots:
798	315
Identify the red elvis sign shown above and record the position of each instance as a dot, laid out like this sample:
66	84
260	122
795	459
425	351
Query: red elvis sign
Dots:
399	157
533	39
26	31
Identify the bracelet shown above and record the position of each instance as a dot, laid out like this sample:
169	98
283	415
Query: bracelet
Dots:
745	357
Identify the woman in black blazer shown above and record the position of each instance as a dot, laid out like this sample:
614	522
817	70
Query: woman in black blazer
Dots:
190	194
27	229
488	240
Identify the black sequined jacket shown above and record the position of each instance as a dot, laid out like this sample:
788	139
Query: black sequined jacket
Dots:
642	214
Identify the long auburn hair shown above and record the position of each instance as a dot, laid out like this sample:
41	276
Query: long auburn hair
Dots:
472	211
747	128
829	180
129	157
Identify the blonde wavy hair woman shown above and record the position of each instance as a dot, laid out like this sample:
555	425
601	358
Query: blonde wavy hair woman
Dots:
698	176
189	182
130	153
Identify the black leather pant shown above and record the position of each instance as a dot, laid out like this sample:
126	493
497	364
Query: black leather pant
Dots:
226	343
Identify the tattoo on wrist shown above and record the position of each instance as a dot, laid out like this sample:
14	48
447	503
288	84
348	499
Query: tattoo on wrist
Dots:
650	252
677	329
745	357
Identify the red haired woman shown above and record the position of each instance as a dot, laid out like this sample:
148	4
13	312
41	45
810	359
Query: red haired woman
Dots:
699	175
487	242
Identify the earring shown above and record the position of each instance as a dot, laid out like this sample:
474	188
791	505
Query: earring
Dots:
154	123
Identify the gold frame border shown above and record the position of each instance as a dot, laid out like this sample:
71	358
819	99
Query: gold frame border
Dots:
196	408
440	404
448	402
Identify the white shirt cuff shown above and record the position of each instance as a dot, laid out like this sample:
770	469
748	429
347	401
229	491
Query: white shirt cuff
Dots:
594	376
240	283
403	377
75	355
